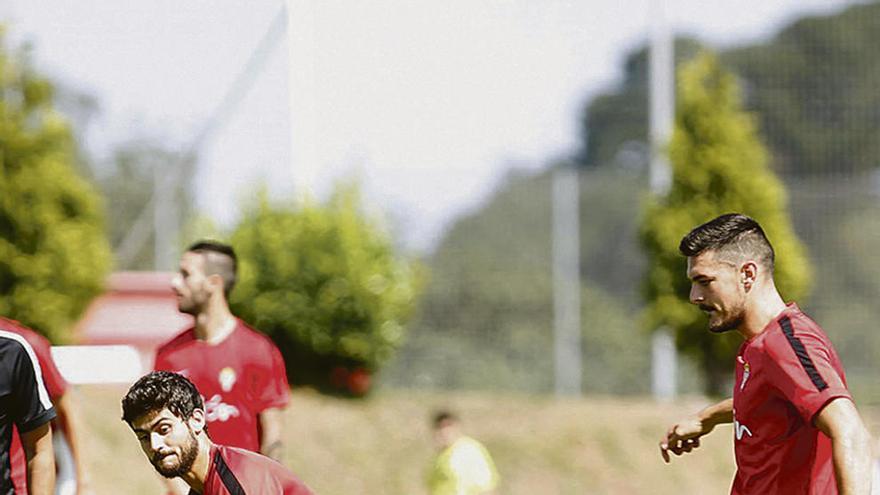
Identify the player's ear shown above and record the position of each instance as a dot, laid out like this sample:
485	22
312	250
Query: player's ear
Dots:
216	281
748	274
196	421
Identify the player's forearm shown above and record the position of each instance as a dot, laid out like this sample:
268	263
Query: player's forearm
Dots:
717	414
850	443
271	425
852	461
40	460
67	408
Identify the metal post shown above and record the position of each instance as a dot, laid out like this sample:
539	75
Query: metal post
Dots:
165	219
301	40
662	117
566	282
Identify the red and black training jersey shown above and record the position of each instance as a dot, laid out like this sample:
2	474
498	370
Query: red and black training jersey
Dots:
24	401
235	471
784	377
238	378
55	384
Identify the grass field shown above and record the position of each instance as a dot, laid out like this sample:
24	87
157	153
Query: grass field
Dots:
382	445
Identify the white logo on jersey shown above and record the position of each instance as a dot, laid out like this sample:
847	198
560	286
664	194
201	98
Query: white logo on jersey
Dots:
215	410
741	429
226	378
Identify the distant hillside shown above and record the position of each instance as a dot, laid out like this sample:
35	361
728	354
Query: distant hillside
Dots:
486	318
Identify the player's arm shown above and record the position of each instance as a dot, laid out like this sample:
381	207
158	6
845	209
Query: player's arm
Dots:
850	443
684	436
67	408
271	426
37	445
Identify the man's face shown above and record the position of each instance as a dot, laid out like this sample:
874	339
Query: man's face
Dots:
716	289
445	434
168	441
190	284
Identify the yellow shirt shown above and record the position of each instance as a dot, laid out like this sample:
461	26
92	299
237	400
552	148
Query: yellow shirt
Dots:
463	468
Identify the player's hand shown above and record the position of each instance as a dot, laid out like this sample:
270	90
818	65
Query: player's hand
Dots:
682	437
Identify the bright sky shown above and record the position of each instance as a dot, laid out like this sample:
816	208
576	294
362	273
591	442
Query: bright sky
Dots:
427	103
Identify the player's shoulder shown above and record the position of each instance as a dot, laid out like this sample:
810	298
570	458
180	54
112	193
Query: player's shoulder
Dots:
243	460
257	473
468	448
792	330
31	336
14	336
252	335
181	339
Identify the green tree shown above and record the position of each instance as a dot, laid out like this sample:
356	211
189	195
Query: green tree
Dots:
324	283
54	255
617	119
719	165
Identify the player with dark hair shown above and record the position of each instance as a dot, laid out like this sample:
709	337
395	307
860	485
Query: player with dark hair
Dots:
239	371
25	405
462	465
67	428
796	427
166	412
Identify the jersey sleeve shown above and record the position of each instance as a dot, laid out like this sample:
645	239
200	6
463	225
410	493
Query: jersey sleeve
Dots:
270	387
802	369
31	406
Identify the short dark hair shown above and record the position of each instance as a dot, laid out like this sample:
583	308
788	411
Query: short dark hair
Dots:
443	416
159	390
220	259
732	234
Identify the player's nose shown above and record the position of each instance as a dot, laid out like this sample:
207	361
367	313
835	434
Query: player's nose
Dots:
156	442
695	296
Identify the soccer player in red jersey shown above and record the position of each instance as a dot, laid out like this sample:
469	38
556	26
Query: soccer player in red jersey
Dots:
238	370
65	403
166	412
796	428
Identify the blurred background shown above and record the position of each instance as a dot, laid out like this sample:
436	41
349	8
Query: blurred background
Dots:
477	186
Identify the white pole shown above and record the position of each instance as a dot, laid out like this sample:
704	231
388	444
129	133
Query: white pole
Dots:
303	92
566	282
165	222
662	116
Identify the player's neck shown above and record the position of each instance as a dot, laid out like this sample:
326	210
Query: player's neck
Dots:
763	308
198	473
216	323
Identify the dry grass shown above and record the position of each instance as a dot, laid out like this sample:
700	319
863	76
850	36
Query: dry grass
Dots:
382	445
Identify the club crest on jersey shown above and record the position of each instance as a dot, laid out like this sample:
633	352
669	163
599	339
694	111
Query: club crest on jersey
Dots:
746	372
227	378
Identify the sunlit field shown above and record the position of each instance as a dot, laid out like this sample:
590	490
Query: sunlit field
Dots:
382	445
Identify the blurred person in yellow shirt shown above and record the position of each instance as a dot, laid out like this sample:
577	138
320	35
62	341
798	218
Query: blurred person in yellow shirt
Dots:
462	466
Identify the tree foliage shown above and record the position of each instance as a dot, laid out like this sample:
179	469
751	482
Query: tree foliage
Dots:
324	282
719	165
486	318
812	87
54	255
